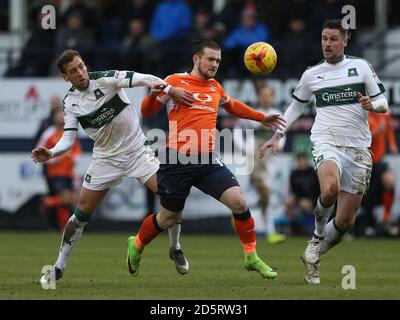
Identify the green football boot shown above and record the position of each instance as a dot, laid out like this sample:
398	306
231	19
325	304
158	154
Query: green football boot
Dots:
133	257
252	262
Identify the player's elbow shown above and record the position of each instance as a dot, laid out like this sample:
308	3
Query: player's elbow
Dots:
380	105
385	107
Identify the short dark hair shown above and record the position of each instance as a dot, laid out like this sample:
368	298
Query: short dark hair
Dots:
336	24
66	57
199	45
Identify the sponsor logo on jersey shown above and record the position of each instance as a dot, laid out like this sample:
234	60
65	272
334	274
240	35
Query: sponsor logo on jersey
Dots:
200	107
106	113
339	95
103	115
348	93
202	97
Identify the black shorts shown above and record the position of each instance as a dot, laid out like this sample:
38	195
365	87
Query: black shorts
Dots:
59	184
176	180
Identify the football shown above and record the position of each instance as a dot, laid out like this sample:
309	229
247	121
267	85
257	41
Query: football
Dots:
260	58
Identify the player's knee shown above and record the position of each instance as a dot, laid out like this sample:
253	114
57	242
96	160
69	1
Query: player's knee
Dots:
238	205
329	193
344	224
86	206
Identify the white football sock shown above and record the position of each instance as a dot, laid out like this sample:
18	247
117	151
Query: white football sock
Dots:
72	233
332	238
174	232
322	215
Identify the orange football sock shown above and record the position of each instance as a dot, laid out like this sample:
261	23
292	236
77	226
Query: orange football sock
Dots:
244	225
147	232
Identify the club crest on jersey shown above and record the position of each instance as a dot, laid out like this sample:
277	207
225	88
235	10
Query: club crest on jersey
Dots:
98	94
204	97
212	88
352	72
319	159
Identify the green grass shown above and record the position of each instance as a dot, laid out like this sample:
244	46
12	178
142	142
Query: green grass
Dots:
97	270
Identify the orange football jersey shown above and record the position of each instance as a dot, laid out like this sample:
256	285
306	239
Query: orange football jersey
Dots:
193	129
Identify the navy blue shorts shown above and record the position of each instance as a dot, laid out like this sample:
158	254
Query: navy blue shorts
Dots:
176	180
59	184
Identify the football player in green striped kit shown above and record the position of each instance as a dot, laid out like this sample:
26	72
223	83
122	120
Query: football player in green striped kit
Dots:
98	102
346	88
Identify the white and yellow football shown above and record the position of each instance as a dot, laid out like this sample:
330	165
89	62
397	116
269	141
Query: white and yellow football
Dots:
260	58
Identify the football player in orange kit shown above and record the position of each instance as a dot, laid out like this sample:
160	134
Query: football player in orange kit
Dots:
192	134
60	171
383	180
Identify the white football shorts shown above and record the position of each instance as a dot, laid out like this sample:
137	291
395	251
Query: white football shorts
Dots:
103	174
355	165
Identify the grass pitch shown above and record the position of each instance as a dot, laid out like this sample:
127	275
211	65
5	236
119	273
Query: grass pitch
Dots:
97	270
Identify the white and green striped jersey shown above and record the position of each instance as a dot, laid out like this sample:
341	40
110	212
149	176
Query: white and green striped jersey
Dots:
106	114
340	119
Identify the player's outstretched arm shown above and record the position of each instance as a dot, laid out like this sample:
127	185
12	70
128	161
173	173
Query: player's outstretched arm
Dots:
292	113
274	122
179	95
150	104
241	110
42	154
147	80
272	143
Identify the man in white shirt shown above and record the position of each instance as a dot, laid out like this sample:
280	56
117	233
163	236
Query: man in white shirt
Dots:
346	88
98	102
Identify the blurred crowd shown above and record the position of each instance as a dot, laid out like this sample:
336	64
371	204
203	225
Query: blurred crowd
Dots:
155	36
